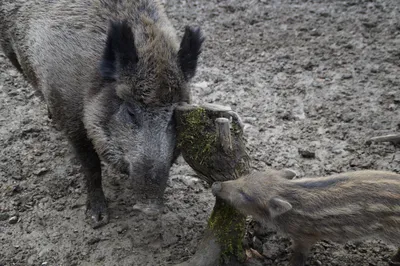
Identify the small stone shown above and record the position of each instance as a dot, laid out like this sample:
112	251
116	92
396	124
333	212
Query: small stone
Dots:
120	229
376	249
317	262
315	33
347	76
249	120
40	171
201	85
370	24
362	250
13	220
100	258
59	207
16	189
348	117
93	241
306	153
392	107
375	69
17	177
375	125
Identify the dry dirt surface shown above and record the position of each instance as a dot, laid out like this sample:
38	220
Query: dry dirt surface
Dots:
312	81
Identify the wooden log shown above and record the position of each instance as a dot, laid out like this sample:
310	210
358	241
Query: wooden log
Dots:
201	147
210	138
394	138
224	134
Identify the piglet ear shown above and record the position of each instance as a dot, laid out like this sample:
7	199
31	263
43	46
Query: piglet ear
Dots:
189	51
120	51
278	206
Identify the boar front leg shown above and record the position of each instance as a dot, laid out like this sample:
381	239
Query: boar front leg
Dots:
96	206
300	253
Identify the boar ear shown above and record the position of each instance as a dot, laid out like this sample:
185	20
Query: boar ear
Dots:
189	51
288	174
279	206
120	51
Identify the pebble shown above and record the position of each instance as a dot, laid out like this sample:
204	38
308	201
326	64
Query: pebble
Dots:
13	220
305	153
317	262
121	229
17	177
249	120
40	171
94	240
392	107
60	207
347	76
376	125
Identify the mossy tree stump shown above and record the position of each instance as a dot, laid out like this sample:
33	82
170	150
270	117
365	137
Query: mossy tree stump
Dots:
211	140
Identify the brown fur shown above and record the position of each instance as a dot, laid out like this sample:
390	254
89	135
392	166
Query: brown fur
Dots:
340	208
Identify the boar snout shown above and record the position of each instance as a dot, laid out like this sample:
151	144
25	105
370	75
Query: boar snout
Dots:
150	170
216	187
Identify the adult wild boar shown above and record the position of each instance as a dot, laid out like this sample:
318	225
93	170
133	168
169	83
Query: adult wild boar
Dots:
111	73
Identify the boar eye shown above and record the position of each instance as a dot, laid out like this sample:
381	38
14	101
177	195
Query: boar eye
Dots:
131	115
245	196
130	112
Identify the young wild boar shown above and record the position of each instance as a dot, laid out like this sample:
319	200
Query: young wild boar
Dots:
340	208
111	73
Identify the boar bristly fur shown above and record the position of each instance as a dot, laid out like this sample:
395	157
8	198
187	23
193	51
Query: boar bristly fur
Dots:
344	207
111	73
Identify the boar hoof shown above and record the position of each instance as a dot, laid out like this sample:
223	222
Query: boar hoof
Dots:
96	210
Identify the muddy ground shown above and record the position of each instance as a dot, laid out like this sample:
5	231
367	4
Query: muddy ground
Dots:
320	76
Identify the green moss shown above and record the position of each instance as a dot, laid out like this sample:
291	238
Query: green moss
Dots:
235	129
229	226
197	137
194	137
